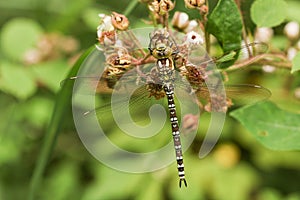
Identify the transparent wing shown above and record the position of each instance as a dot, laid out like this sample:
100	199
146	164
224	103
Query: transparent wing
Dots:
240	94
137	103
243	53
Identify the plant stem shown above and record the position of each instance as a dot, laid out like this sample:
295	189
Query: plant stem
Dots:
206	33
130	7
244	31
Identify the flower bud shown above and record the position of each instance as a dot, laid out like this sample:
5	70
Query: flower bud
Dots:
297	93
193	24
105	23
298	45
291	53
105	31
180	20
264	34
268	68
291	30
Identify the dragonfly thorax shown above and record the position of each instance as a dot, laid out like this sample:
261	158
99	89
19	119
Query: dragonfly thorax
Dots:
166	70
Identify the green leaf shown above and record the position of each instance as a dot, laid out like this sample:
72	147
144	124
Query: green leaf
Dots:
18	36
225	23
71	12
51	73
227	57
38	108
296	63
105	177
268	13
273	127
17	81
293	13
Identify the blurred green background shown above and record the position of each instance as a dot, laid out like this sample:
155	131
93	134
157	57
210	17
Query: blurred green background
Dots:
41	40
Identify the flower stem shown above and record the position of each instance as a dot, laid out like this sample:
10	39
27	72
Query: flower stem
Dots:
130	7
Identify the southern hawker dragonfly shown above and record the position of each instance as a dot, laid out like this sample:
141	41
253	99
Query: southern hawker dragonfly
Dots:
134	67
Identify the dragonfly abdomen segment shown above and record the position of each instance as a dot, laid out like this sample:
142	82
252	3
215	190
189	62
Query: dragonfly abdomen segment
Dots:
168	88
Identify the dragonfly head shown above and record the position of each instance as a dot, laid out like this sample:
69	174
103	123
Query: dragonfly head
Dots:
162	45
161	50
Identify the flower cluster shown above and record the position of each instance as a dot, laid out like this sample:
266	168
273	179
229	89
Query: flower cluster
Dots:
106	31
50	47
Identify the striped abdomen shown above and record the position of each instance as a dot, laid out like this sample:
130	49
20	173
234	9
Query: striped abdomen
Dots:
169	90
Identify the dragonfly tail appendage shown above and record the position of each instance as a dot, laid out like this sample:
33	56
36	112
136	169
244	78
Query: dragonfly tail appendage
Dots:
182	180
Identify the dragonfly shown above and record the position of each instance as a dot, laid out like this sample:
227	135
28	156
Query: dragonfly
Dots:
155	67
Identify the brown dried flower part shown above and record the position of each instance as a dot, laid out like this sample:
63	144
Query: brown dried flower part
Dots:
122	61
68	44
112	75
161	7
180	21
155	90
195	76
194	3
203	9
49	47
106	32
107	37
116	65
119	21
154	85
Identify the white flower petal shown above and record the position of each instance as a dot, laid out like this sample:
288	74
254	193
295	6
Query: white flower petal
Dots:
194	38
